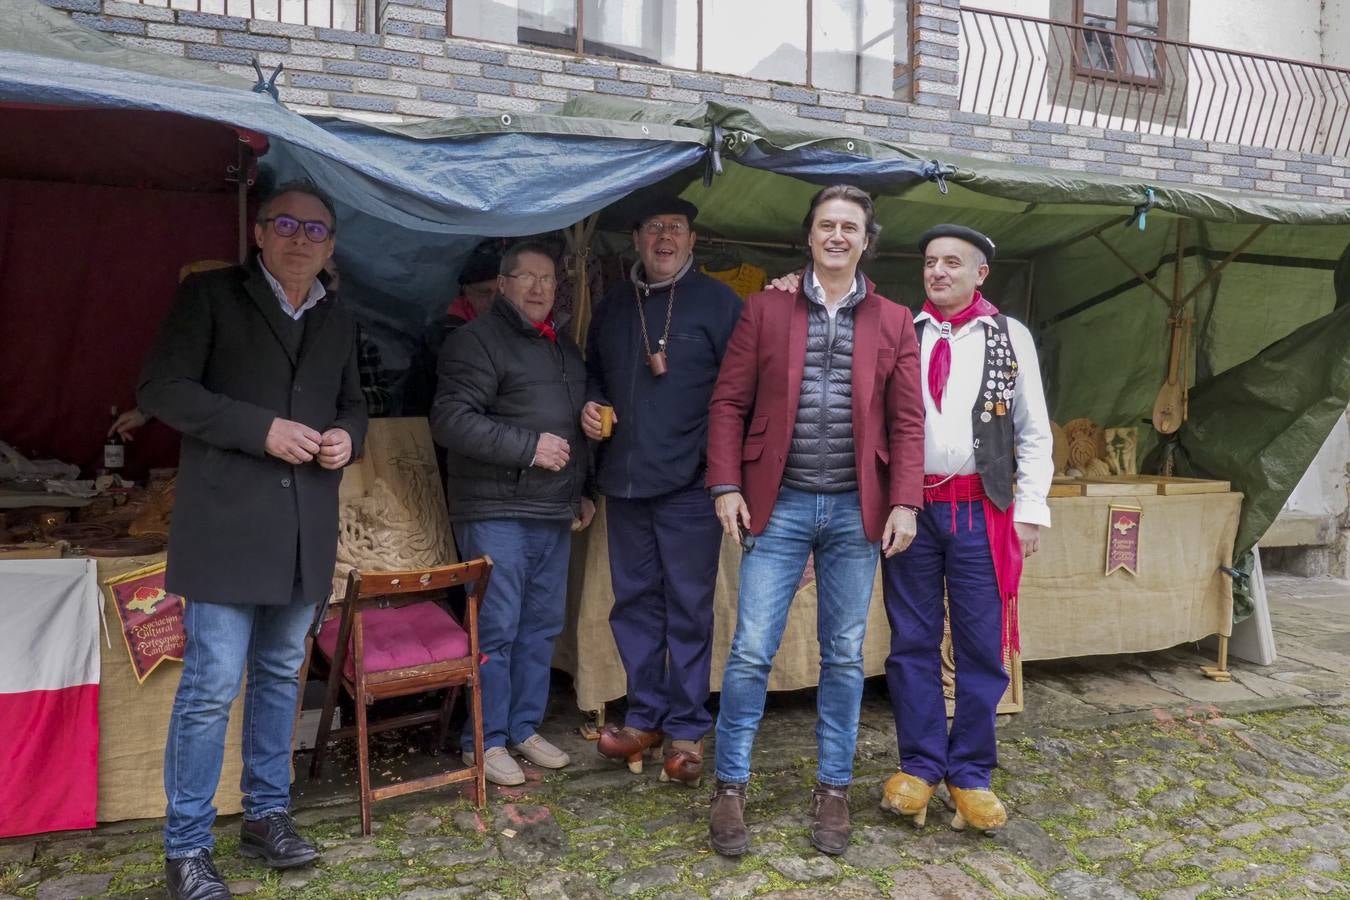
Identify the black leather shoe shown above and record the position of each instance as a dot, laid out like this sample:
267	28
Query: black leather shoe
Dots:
274	840
195	878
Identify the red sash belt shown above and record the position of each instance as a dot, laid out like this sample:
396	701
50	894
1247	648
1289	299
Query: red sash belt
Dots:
1004	545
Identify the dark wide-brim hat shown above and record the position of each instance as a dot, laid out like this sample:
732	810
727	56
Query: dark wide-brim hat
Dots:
664	205
482	265
961	232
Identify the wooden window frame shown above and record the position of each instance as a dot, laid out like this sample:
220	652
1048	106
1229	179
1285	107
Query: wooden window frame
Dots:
579	43
1119	34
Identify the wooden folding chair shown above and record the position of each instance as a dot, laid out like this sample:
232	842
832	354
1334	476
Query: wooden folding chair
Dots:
390	640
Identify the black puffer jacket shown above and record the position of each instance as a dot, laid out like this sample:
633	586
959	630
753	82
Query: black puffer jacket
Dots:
821	456
500	385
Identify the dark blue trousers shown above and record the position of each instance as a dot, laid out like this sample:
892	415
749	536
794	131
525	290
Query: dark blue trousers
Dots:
663	555
913	583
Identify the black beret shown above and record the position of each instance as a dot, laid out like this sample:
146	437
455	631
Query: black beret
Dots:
664	205
480	266
969	235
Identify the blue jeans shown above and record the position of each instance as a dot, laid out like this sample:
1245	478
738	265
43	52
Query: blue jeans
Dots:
520	617
830	526
224	642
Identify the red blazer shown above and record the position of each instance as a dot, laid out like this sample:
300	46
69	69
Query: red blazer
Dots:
754	405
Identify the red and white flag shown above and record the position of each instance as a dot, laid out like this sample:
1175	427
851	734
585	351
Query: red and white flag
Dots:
49	670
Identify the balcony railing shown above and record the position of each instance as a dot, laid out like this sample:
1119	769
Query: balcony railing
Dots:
343	15
1030	68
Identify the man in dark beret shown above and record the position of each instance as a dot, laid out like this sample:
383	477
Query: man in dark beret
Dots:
988	466
653	353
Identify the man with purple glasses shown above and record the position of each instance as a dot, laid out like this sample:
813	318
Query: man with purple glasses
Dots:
256	366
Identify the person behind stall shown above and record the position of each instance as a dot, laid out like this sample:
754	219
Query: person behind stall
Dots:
256	366
507	411
655	346
477	290
815	446
988	467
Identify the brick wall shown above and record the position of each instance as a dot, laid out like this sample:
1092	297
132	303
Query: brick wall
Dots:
410	69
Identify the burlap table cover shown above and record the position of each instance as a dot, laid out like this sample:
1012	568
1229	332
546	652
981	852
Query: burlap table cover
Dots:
133	722
1069	607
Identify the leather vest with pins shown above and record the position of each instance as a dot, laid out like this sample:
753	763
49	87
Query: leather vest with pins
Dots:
991	417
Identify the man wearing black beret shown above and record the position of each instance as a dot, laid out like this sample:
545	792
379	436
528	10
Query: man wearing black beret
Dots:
654	349
988	466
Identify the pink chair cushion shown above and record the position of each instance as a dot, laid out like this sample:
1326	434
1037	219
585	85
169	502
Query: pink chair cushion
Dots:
396	638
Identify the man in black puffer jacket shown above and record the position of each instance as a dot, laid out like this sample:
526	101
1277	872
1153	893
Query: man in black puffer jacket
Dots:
509	394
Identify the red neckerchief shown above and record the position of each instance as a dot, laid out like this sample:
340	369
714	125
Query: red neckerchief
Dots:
940	360
1004	545
546	329
462	308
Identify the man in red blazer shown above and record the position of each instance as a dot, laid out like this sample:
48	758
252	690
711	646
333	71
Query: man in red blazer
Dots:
815	446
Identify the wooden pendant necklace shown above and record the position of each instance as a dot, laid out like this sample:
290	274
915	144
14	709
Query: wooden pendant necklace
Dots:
657	361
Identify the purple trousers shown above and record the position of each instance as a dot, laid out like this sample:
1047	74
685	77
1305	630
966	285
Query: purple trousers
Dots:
958	559
663	555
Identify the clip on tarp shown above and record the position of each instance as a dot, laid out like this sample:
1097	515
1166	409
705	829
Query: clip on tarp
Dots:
1141	211
937	172
714	161
267	85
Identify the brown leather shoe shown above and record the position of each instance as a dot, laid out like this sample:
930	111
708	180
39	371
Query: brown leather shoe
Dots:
628	744
830	828
684	763
726	819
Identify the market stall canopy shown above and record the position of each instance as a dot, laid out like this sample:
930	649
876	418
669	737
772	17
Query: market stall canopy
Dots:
1096	264
46	59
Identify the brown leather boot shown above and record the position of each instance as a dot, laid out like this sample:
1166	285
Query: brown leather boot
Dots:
726	819
829	818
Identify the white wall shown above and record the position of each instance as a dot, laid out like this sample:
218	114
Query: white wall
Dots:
1288	28
1322	491
1336	33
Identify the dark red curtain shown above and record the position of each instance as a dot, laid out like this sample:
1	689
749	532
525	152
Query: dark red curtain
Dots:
86	274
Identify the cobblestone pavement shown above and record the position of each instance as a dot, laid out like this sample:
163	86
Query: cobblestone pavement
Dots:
1126	777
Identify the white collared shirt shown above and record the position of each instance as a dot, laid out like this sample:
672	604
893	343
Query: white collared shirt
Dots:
948	436
316	293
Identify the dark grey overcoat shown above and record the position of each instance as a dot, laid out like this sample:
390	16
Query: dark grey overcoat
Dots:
225	364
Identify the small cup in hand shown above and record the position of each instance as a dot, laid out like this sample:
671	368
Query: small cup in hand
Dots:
606	422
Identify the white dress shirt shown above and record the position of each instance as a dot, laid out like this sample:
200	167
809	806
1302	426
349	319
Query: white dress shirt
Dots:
948	436
316	293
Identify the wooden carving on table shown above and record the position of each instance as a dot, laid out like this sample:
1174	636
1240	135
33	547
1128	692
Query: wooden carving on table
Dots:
1122	444
392	513
157	511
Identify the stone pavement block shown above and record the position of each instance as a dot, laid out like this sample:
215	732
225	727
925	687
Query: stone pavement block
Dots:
1189	892
937	881
1003	874
738	886
351	849
73	887
1074	884
852	889
17	853
1291	758
811	868
1029	841
643	880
